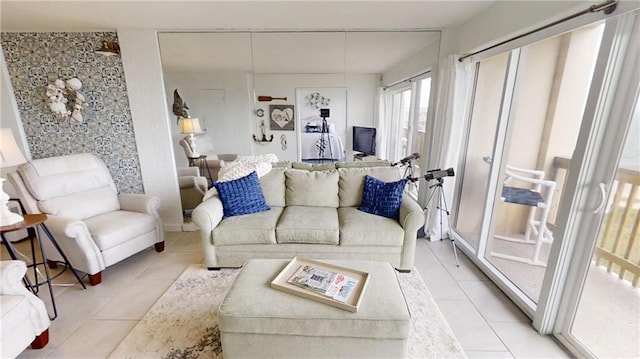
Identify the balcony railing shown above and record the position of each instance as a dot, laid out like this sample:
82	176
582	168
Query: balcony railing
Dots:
618	246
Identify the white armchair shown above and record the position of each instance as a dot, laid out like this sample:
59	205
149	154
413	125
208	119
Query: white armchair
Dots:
94	226
24	317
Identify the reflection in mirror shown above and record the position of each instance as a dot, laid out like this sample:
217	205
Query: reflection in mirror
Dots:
221	74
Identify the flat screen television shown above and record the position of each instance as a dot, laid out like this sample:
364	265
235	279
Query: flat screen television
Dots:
364	140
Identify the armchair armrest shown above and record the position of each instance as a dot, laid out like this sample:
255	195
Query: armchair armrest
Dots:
11	274
188	171
73	236
139	203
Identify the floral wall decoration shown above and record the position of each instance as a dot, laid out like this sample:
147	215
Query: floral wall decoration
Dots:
65	99
102	123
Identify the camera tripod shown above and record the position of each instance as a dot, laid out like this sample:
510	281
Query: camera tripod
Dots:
324	141
442	201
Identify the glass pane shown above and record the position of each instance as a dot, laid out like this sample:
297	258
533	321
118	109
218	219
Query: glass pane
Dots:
482	128
405	111
553	80
418	136
607	321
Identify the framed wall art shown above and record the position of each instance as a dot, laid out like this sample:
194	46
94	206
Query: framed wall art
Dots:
281	118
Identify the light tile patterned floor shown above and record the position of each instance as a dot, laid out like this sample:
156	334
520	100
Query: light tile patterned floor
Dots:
92	322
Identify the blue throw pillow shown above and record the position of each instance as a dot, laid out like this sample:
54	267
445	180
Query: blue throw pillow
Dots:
382	198
241	196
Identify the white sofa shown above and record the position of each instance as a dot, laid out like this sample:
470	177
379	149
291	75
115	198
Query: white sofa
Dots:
24	319
314	213
94	225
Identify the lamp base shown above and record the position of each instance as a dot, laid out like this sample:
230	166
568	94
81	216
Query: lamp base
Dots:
7	217
192	144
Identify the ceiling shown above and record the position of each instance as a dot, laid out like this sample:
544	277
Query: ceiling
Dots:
95	15
263	52
290	52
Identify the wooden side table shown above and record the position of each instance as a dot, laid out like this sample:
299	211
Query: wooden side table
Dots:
30	223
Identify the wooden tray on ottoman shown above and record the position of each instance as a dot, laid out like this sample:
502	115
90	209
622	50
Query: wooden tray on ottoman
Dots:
351	304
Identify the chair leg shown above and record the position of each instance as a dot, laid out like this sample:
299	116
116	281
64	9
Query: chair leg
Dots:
159	246
41	340
95	279
52	264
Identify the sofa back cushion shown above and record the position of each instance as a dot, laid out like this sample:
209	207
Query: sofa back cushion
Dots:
76	186
311	188
351	182
273	187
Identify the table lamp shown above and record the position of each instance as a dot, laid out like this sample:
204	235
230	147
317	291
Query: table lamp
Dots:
190	126
10	156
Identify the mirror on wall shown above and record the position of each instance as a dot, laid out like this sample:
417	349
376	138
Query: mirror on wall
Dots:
246	87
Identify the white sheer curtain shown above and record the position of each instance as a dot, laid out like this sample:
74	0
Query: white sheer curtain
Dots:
453	87
382	123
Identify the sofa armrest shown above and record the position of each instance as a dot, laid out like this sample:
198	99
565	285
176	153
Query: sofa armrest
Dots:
11	274
411	219
139	203
207	215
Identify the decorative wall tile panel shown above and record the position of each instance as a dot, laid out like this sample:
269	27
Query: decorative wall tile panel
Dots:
35	60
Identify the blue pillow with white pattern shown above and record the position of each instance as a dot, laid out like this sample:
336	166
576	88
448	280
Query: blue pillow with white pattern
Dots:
382	198
241	196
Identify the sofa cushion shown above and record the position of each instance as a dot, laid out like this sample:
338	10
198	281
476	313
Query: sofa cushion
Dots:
312	188
273	187
300	224
82	205
360	164
241	196
358	228
351	182
382	198
129	225
313	166
255	228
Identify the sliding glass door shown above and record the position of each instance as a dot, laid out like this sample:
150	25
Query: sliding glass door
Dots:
545	124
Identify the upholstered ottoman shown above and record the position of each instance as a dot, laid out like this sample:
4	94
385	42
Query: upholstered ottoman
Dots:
256	320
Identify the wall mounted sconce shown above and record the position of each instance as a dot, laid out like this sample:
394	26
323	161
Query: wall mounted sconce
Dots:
109	48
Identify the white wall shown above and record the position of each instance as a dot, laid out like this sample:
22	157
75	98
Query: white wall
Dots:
143	70
423	61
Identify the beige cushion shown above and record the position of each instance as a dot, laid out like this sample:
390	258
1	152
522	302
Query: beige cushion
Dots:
358	228
312	188
273	187
114	228
360	164
299	224
313	166
254	228
351	182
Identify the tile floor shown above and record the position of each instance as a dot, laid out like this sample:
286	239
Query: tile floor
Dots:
92	323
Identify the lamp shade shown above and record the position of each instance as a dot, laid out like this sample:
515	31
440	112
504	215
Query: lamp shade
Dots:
190	125
10	154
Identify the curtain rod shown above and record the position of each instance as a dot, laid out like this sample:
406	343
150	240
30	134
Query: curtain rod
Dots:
406	80
607	6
